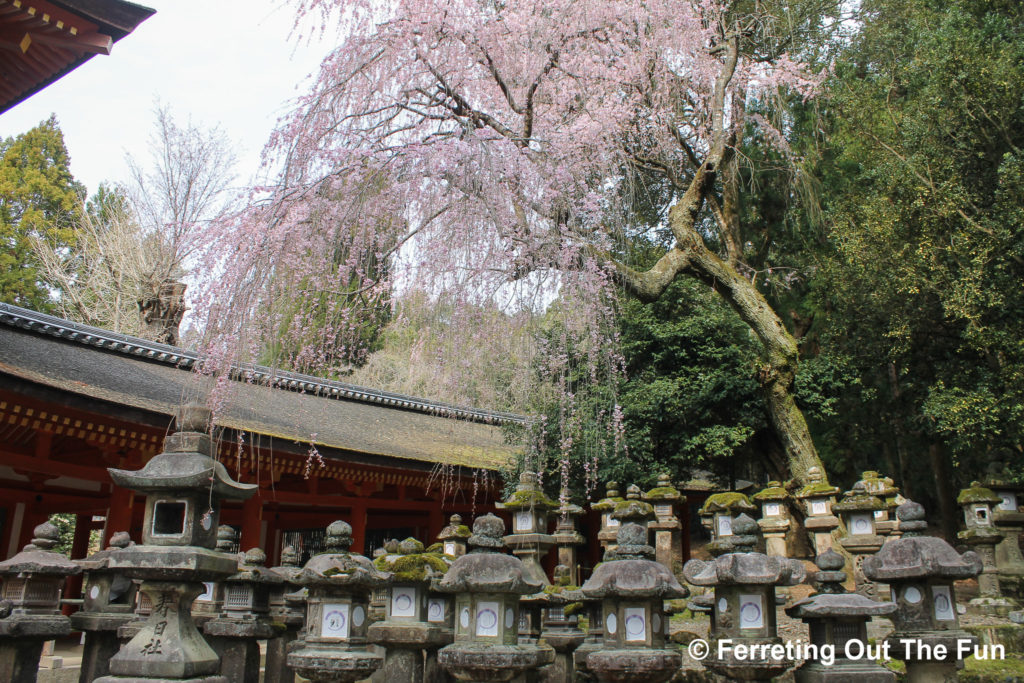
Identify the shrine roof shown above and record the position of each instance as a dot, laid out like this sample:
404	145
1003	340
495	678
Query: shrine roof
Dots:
131	372
43	40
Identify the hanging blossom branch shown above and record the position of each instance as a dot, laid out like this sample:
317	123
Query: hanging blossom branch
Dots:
485	149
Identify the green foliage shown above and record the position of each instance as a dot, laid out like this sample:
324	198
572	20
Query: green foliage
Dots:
689	398
65	523
919	288
38	199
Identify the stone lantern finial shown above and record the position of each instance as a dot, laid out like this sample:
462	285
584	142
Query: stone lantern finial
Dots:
487	534
911	516
831	577
339	537
290	557
227	538
631	544
121	539
744	530
46	537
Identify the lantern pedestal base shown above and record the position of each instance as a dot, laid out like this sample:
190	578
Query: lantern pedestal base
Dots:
329	663
484	663
843	671
628	666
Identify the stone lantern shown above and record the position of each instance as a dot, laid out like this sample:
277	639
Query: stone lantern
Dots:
288	608
857	510
530	540
30	612
208	605
339	582
920	571
453	537
184	486
108	604
834	619
717	515
775	521
561	630
606	506
567	536
632	588
487	585
883	488
668	530
744	605
407	630
818	497
244	618
1009	520
981	535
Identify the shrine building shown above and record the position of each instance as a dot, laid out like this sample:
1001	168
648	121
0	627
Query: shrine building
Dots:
75	400
43	40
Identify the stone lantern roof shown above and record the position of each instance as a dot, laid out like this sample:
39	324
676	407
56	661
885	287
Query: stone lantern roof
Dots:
730	502
816	486
630	573
773	491
977	493
486	570
917	556
253	569
664	492
38	557
455	529
633	509
411	564
858	500
610	500
744	567
99	559
186	462
337	566
528	495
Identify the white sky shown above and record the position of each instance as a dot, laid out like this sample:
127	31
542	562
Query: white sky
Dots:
226	62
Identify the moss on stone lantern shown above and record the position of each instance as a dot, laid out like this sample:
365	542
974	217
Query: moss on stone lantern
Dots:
717	515
453	537
857	510
606	506
979	505
818	497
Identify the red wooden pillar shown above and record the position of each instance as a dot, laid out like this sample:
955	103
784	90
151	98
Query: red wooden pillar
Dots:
252	517
79	549
119	515
358	523
436	524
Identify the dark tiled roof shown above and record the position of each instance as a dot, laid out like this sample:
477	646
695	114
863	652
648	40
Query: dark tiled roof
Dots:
155	377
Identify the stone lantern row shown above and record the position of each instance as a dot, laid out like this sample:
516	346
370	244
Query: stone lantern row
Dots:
476	612
464	614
